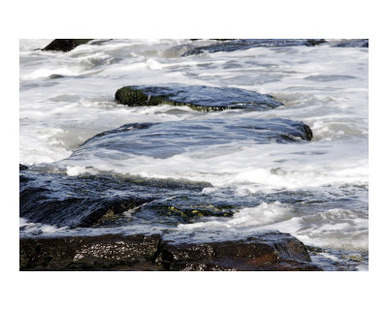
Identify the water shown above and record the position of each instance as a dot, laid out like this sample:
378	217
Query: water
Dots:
97	166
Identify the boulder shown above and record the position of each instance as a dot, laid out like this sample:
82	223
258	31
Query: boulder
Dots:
203	98
167	139
65	45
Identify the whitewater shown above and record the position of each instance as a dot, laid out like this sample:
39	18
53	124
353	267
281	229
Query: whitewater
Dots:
315	190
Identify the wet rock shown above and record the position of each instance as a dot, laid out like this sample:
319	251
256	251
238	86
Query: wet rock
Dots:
103	201
180	212
23	167
314	42
243	44
167	139
65	45
107	252
351	43
56	76
61	200
203	98
273	251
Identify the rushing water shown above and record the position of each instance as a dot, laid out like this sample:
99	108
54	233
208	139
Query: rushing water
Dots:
196	173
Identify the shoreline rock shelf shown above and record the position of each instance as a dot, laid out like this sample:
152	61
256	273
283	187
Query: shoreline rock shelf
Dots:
269	251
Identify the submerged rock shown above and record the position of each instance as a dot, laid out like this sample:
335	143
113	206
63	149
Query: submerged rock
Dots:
65	45
167	139
203	98
270	251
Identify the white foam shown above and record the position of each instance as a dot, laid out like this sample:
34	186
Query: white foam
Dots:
31	228
249	168
263	214
334	228
332	111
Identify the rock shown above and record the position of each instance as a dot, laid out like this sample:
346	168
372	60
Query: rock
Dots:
23	167
270	251
72	201
167	139
102	201
203	98
65	45
178	214
56	76
351	43
314	42
243	44
107	252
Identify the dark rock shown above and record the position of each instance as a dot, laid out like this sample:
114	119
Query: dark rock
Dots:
203	98
243	44
56	76
101	201
74	202
65	45
23	167
314	42
107	252
352	43
178	213
270	251
308	132
163	140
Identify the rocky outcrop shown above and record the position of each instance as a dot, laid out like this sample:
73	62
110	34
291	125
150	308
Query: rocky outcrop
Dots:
203	98
270	251
65	45
108	252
